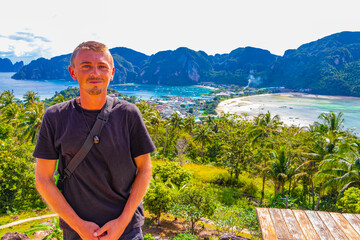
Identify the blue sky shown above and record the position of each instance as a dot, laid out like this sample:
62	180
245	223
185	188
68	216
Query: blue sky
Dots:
48	28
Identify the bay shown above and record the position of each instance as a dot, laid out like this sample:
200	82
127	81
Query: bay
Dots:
297	109
47	88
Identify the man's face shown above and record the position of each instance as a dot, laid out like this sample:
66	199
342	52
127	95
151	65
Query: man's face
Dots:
93	70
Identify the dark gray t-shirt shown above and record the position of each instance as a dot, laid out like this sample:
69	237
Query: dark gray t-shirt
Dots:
100	186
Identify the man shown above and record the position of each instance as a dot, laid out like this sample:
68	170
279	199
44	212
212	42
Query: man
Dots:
102	198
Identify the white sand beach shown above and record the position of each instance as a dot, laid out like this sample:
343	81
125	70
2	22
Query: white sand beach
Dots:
293	108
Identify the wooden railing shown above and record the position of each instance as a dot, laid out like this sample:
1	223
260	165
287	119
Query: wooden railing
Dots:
298	224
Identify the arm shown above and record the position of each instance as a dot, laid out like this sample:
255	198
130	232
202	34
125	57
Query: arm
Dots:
48	190
116	227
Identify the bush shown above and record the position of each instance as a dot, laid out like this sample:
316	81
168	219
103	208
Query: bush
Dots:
194	203
229	196
250	188
17	185
350	202
158	199
226	180
6	131
235	219
282	201
148	237
172	172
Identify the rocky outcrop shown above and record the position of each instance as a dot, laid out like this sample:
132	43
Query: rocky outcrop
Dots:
327	66
54	68
14	236
7	66
232	237
180	67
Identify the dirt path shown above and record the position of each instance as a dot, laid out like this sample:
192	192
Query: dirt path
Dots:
27	220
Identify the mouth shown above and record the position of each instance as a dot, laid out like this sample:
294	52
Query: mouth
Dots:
95	80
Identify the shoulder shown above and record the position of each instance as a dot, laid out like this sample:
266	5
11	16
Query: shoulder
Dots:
59	108
125	107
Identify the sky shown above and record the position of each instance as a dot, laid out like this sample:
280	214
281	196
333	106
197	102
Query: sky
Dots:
30	29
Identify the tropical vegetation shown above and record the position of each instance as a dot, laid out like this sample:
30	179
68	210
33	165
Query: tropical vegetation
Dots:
218	169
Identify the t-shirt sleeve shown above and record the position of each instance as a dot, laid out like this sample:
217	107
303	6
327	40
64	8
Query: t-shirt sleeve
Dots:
45	146
140	140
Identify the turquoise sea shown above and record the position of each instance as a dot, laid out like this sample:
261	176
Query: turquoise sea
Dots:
47	88
293	110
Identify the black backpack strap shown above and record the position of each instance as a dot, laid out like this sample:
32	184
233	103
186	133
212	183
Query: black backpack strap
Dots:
101	119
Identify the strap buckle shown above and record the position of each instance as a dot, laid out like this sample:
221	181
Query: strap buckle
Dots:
102	118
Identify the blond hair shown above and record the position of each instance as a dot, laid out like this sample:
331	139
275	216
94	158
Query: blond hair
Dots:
89	46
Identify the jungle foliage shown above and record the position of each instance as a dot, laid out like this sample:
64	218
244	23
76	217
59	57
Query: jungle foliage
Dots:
253	162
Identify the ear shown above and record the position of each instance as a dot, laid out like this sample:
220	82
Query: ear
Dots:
72	73
112	74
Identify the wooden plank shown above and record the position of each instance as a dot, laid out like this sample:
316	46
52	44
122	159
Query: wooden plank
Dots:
266	224
330	223
345	226
319	226
292	225
279	224
353	220
305	224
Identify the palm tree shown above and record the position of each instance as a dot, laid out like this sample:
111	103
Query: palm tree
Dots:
58	99
281	169
11	113
211	122
265	126
202	135
189	123
333	122
30	97
176	122
328	138
31	121
235	145
7	97
341	172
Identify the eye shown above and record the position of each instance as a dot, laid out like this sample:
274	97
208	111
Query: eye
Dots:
86	66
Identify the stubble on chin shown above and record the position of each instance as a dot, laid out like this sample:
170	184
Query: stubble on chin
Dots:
94	91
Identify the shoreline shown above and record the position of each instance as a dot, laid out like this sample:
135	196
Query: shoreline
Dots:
289	106
315	96
208	87
244	99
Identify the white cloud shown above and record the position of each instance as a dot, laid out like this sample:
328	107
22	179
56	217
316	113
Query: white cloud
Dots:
150	26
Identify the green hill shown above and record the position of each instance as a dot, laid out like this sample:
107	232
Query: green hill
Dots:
330	65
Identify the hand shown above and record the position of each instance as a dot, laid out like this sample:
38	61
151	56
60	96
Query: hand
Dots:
86	230
112	230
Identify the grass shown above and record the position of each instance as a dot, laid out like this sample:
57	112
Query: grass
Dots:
208	174
23	227
204	173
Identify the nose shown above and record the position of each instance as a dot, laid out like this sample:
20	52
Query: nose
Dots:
95	71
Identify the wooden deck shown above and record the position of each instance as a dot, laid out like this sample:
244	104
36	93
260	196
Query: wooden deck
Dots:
297	224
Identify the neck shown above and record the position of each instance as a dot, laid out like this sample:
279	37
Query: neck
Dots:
92	102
